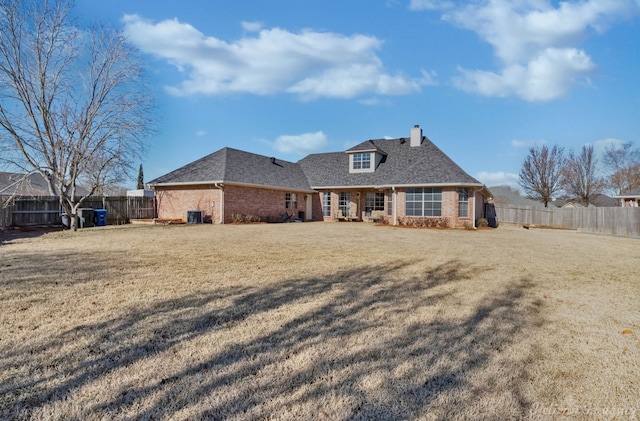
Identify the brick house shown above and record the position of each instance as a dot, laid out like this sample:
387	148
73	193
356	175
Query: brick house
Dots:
398	180
629	199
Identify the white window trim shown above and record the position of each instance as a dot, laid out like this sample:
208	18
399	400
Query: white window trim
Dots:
352	161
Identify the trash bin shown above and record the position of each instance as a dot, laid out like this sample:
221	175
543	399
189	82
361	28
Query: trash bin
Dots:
86	217
101	217
66	221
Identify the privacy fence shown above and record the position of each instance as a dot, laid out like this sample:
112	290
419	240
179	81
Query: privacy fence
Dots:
45	210
624	222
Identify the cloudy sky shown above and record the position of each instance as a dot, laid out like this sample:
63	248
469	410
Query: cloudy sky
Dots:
484	79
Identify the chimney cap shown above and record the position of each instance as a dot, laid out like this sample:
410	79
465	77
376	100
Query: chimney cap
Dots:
416	126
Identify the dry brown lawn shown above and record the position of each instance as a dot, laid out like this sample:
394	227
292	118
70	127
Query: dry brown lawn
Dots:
329	321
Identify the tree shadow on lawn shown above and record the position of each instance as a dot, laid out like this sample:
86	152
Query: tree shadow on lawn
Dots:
373	344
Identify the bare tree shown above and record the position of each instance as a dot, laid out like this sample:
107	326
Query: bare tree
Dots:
540	176
73	103
580	175
622	163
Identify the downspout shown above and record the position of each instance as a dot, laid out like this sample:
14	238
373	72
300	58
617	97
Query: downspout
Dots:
220	186
395	205
473	215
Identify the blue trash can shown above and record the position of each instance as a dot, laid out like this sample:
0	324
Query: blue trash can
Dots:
101	217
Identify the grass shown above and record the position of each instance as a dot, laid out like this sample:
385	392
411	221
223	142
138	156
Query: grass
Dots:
327	321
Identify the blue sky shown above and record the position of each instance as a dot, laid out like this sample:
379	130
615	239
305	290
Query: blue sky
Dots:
485	80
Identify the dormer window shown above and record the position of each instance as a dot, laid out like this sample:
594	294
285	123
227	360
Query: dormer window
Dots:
361	161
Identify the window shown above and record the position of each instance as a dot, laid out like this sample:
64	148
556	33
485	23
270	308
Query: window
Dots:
424	202
389	202
373	201
463	203
344	202
361	161
326	203
290	201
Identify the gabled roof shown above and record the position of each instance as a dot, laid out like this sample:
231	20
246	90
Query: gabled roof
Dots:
16	184
233	166
367	146
630	194
34	184
402	165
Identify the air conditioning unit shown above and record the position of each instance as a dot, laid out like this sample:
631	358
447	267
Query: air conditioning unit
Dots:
194	217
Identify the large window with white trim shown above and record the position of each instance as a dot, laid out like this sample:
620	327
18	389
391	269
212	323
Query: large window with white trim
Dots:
361	161
424	201
344	202
290	201
373	201
389	202
463	203
326	203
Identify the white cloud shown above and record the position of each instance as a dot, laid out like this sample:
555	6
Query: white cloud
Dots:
200	133
527	143
546	77
536	43
498	178
301	144
309	64
430	4
600	145
252	26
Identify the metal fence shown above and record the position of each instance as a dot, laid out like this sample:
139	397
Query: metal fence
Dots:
46	210
624	222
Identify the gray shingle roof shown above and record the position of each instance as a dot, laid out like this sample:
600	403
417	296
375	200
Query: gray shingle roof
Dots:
630	193
235	166
402	165
23	184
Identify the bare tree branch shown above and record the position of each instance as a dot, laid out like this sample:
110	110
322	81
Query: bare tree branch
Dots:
540	176
622	163
74	106
580	175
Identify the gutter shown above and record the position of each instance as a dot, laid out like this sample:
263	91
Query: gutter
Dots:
392	186
220	183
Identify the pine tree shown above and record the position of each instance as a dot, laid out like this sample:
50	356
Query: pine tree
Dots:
140	178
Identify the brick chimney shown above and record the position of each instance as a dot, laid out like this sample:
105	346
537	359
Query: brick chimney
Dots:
416	136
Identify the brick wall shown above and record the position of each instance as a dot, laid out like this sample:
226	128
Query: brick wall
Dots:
174	202
267	204
449	205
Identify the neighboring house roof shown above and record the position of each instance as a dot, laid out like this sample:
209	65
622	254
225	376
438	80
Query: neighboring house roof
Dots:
604	201
506	195
16	184
598	200
630	194
401	165
233	166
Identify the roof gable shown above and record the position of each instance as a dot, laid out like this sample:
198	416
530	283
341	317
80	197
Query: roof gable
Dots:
230	165
404	165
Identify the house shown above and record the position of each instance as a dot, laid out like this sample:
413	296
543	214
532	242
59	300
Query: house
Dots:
597	200
17	184
630	198
396	180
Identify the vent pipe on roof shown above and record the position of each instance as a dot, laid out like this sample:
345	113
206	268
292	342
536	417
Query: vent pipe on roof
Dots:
273	159
416	136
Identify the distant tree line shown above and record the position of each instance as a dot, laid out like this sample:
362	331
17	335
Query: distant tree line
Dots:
548	172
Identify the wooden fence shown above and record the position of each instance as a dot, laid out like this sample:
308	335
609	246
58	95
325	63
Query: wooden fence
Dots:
624	222
46	210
